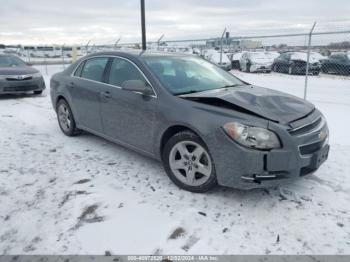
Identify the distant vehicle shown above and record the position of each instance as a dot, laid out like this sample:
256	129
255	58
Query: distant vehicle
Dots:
338	63
317	56
67	51
295	63
235	60
256	62
214	57
196	51
204	124
17	77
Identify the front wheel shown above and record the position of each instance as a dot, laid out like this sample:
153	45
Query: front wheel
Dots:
188	163
65	119
38	92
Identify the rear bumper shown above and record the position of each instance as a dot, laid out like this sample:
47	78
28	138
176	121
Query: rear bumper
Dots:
260	68
244	168
24	86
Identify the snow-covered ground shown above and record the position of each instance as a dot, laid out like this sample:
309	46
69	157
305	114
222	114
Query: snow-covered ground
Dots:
85	195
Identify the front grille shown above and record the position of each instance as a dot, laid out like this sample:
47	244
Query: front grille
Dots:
20	88
305	128
311	148
18	79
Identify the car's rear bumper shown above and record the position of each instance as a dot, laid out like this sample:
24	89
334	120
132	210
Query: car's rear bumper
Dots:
260	68
22	86
244	168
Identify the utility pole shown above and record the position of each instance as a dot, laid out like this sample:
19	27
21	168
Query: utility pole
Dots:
143	25
221	44
308	60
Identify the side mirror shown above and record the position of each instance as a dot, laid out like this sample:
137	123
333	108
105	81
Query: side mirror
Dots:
137	86
29	64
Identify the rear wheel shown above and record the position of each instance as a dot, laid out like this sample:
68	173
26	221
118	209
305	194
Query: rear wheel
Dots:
188	163
65	119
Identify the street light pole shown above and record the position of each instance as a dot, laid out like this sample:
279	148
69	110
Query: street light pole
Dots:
143	24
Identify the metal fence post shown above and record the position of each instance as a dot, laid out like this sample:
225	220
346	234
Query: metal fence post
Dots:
87	46
116	43
45	62
63	65
221	44
308	60
28	55
158	42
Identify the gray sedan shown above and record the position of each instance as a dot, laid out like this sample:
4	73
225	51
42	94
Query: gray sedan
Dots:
17	77
204	124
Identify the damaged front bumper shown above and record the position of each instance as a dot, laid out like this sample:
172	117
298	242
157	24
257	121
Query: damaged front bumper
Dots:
305	148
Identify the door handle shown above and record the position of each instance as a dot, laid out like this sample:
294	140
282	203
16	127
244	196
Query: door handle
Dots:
71	85
107	94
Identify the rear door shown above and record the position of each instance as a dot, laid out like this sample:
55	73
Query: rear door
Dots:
85	90
128	117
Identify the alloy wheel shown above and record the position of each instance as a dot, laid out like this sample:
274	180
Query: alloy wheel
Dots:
190	163
64	117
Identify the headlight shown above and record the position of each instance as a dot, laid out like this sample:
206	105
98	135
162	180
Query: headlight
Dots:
253	137
37	75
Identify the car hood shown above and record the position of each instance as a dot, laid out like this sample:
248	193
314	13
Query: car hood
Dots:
264	102
23	70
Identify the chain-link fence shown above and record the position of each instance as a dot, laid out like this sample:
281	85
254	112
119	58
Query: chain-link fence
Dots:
321	50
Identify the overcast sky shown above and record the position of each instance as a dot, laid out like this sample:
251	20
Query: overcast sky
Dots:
104	21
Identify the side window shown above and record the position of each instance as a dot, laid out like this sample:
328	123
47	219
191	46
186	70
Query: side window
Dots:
93	68
79	70
121	71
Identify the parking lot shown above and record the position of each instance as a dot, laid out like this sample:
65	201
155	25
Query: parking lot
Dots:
85	195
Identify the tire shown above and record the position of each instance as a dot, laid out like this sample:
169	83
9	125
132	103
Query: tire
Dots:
66	119
185	168
38	92
248	68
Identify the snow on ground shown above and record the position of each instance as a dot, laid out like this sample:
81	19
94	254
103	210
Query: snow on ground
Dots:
85	195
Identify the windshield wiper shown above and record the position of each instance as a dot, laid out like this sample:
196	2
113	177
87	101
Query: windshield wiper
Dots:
189	92
228	86
199	91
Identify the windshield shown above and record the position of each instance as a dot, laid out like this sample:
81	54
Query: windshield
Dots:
181	75
10	61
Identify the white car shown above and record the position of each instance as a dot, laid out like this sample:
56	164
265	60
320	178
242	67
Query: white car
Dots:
257	61
215	56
